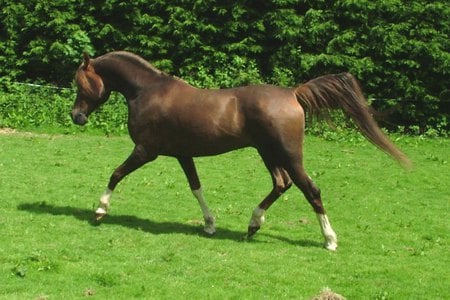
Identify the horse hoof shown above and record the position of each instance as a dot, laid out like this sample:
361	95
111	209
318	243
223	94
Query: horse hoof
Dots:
210	227
330	246
209	230
99	217
99	214
252	230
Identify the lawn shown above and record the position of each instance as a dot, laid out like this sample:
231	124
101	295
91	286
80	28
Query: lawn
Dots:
393	225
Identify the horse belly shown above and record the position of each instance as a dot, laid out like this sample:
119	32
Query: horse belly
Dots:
205	145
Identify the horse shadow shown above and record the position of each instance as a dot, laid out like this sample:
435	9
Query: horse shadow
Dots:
150	226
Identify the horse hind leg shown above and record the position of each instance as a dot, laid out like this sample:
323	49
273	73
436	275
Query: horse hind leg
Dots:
312	194
281	183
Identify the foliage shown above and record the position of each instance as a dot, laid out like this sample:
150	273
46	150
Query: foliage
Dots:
47	108
399	50
392	230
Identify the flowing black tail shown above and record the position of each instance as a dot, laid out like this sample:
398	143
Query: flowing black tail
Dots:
342	91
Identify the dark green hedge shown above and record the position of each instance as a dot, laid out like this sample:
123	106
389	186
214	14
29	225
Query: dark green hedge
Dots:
399	50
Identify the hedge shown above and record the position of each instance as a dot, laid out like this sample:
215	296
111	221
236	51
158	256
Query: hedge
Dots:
399	50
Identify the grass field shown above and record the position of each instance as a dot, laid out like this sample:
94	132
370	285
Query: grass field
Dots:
393	226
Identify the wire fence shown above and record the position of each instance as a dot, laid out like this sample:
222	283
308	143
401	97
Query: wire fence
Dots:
444	97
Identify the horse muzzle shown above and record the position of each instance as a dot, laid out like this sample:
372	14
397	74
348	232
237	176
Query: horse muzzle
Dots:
79	118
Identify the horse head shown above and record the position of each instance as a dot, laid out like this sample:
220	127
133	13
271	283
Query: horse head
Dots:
91	92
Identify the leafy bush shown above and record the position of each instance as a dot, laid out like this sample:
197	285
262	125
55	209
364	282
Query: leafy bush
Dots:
398	50
47	108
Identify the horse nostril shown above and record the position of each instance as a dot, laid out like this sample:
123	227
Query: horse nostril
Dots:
79	118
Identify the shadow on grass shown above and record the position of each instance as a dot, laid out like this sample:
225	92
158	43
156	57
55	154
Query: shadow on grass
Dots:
300	243
146	225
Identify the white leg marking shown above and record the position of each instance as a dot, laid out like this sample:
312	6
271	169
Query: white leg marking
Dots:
328	232
257	218
103	205
210	227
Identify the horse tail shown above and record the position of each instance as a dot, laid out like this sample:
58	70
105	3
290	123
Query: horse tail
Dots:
342	91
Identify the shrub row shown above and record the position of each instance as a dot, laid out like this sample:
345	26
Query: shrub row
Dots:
399	50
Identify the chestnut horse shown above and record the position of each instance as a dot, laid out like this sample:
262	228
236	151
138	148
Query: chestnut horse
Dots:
167	116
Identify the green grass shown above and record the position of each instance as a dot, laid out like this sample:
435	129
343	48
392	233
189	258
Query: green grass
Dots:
393	226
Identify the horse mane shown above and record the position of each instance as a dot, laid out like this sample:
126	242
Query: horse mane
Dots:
139	62
133	59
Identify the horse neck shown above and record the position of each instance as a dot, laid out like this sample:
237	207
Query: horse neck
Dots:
126	78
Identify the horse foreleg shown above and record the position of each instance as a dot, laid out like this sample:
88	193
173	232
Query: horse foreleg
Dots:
210	227
281	183
187	163
137	158
103	205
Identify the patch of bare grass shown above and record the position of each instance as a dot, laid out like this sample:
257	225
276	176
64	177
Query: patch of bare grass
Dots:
328	294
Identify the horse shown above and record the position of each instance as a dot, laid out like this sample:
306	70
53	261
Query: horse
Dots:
169	117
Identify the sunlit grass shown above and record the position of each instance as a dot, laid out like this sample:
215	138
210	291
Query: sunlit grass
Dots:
392	225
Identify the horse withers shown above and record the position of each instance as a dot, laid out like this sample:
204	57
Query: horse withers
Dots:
167	116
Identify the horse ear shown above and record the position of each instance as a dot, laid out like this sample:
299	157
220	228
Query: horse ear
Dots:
86	60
